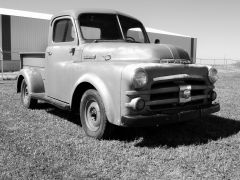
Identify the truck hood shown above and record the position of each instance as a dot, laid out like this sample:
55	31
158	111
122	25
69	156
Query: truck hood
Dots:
167	72
122	51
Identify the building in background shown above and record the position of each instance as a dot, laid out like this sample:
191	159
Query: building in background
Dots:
187	43
23	31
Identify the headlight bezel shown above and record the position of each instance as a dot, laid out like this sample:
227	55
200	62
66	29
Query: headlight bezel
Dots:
139	78
212	74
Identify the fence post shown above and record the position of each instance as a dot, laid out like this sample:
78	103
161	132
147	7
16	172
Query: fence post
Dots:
1	58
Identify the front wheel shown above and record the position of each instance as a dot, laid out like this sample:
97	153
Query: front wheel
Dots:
93	117
26	99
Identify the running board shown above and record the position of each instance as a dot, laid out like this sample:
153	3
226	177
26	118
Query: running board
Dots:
54	102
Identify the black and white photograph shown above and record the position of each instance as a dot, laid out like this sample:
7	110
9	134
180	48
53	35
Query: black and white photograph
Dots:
110	89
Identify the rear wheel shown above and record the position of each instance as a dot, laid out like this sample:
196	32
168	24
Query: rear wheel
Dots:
26	99
93	117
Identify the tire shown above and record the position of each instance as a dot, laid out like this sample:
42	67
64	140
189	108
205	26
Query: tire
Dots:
93	117
26	100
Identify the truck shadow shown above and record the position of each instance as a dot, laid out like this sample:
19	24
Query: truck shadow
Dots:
195	132
66	115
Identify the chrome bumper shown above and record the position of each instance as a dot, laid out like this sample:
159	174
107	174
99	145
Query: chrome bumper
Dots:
157	119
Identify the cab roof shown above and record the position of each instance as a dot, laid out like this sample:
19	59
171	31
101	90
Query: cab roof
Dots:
76	12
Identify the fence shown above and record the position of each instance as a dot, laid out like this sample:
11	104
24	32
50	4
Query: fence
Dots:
225	62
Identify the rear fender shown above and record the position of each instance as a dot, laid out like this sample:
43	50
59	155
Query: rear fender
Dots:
33	79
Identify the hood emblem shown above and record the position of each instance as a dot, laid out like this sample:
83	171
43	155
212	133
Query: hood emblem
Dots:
185	93
107	57
89	57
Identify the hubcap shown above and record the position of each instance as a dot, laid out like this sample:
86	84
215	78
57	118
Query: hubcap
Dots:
25	94
92	115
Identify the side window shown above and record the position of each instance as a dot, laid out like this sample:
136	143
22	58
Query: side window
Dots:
63	31
91	32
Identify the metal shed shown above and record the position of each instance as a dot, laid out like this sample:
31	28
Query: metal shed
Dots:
21	31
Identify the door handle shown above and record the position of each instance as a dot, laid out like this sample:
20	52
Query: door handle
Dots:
72	51
49	53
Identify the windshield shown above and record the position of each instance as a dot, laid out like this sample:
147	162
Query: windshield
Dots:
132	29
111	27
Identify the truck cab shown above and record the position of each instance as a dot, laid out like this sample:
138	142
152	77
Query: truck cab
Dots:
101	65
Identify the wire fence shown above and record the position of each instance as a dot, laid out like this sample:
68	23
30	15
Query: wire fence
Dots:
217	62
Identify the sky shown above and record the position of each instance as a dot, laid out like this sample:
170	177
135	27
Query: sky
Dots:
215	23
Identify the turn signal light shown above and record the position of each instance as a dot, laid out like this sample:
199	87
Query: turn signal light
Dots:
136	104
213	95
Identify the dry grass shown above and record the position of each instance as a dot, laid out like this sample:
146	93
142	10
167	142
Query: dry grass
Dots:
48	143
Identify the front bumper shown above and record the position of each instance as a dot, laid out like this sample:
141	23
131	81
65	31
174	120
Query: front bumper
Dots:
157	119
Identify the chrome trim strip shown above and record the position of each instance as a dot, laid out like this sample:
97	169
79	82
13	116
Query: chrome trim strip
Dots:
165	90
169	49
165	101
195	98
155	91
201	87
89	57
178	76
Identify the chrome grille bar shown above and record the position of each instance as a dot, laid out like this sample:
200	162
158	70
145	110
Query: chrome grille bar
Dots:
166	89
174	100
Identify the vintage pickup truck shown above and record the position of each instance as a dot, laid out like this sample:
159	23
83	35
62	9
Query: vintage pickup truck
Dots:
101	65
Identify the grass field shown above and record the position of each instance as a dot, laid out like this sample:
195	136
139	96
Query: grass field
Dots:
48	143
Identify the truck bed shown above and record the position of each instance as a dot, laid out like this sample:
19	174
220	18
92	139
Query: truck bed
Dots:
32	59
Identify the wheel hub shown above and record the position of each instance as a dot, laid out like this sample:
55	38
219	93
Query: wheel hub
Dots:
92	115
25	94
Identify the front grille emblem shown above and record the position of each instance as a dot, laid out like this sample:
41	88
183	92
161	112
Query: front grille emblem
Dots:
184	93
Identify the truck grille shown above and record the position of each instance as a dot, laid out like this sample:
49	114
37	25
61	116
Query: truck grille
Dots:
178	93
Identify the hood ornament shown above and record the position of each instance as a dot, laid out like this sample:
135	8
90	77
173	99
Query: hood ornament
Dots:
175	61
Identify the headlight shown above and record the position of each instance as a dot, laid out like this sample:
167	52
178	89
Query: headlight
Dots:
140	79
212	75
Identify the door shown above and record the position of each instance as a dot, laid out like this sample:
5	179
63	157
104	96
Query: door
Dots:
60	54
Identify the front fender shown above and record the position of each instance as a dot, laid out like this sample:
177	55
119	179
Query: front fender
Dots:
33	79
112	110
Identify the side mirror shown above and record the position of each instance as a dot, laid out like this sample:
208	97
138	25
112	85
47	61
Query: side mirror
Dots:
157	41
